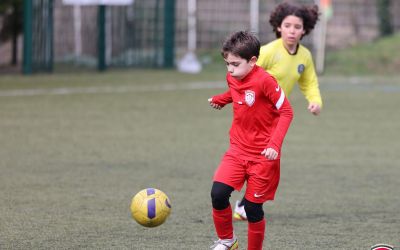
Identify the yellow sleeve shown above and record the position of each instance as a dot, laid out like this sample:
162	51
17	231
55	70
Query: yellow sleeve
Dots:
308	83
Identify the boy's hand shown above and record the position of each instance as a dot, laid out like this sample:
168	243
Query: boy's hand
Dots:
270	153
314	108
214	105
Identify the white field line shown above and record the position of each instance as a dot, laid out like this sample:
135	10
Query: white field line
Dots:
111	89
173	87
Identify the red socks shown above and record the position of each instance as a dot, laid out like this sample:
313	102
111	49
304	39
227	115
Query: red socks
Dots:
223	223
224	227
255	235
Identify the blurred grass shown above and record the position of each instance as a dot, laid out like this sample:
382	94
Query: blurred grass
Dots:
380	57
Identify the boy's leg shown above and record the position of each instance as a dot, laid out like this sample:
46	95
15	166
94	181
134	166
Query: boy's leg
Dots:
256	225
222	212
229	175
261	187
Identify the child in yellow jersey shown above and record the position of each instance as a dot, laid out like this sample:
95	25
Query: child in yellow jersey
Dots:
288	61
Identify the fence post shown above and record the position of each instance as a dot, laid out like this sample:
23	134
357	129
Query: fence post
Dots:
384	17
101	40
50	36
27	57
169	33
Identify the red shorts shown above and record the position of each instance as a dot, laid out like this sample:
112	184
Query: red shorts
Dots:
262	176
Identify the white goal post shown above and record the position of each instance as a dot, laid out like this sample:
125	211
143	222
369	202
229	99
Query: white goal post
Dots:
189	63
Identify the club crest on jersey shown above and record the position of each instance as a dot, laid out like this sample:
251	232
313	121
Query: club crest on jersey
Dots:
249	97
382	247
300	68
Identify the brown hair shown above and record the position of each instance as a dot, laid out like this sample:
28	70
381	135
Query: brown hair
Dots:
242	44
309	15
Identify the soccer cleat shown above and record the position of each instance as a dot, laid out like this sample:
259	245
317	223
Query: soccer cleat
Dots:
229	244
240	213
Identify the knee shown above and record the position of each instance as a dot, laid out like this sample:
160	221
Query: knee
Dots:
254	211
220	194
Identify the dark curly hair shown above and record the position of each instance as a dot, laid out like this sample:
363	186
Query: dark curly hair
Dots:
309	15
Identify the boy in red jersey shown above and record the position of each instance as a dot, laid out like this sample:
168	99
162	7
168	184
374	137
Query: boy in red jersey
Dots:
288	61
261	117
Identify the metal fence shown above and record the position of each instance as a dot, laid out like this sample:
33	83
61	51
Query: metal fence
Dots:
149	33
153	33
137	35
140	35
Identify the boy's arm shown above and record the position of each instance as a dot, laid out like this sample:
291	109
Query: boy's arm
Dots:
277	96
308	84
285	118
219	101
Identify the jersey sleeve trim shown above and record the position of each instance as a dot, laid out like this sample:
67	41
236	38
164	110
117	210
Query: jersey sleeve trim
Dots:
279	103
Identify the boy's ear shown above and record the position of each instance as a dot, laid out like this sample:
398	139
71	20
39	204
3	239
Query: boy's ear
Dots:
253	61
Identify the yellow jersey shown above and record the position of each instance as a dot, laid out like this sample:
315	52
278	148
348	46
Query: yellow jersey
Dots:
290	69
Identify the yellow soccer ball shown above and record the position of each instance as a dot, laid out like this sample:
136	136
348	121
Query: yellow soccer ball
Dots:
150	207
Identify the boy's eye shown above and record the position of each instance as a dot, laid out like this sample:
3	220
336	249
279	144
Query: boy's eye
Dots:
233	64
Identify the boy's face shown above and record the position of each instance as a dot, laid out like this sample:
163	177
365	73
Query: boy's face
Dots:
239	67
291	30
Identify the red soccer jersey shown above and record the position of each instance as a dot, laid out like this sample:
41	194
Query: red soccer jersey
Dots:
261	113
